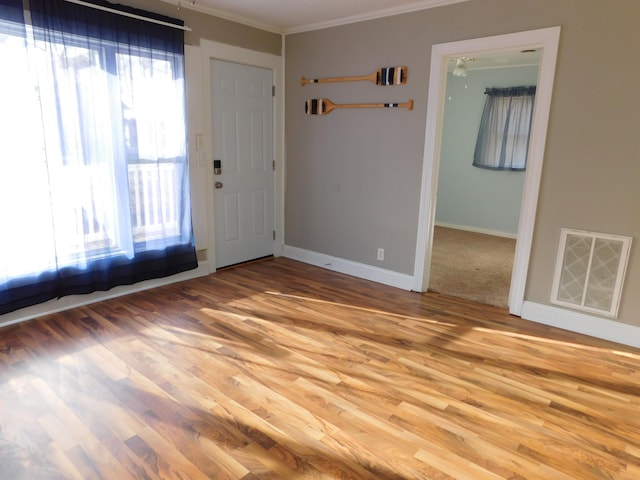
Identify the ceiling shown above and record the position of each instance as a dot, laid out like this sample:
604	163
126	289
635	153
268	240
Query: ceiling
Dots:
289	16
510	58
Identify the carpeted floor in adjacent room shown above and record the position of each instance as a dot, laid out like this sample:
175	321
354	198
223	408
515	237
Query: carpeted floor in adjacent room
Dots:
472	265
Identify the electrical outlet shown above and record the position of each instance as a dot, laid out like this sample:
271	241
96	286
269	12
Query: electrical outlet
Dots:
381	254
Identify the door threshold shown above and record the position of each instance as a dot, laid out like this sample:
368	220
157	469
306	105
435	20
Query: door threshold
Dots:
240	264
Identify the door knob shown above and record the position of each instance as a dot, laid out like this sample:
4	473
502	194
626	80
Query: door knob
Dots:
218	185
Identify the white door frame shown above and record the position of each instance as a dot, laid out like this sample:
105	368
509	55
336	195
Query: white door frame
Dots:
548	39
221	51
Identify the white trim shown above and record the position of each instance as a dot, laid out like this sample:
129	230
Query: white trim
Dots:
221	51
73	301
485	231
582	323
360	270
547	39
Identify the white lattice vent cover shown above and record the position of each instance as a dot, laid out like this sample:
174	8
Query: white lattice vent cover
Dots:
590	270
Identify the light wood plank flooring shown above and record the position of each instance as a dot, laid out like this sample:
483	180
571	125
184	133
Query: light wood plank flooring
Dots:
281	370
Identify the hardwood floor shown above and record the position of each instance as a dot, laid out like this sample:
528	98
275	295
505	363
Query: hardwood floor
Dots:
281	370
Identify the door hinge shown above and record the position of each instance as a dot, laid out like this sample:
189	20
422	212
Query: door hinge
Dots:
273	90
274	234
273	165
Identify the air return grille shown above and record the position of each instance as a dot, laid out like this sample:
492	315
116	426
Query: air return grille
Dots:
590	271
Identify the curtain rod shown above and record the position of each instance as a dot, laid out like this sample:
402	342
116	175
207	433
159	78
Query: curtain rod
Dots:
127	14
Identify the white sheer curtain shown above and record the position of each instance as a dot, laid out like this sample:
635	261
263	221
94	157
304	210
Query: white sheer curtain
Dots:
27	244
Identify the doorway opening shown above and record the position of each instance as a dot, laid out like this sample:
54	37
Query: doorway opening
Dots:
478	210
547	41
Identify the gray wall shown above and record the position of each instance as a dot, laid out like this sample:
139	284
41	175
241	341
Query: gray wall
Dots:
468	196
353	177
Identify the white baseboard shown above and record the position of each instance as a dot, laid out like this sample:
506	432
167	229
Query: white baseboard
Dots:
466	228
582	323
72	301
360	270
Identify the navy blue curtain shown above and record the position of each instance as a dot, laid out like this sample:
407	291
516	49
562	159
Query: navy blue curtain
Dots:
94	188
12	13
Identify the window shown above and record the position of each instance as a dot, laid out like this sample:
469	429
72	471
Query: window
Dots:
93	166
505	128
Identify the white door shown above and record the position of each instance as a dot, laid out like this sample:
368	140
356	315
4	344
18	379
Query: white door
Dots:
242	110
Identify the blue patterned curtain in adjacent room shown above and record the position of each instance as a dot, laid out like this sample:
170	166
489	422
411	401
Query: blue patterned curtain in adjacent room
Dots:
94	186
503	137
